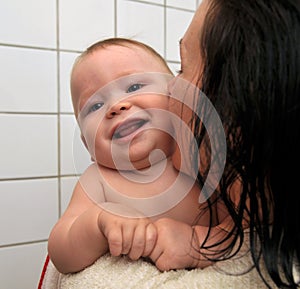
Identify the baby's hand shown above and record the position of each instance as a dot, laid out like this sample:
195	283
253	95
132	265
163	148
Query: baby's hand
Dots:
175	246
127	231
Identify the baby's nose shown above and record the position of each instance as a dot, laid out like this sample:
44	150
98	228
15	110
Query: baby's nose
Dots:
117	109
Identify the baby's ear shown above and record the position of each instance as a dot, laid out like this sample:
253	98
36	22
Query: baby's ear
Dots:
85	144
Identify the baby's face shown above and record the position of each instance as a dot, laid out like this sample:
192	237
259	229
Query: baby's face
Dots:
121	103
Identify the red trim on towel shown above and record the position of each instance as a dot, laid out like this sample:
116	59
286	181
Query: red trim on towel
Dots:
43	272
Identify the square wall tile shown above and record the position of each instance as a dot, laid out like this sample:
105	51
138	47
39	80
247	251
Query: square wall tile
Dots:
30	22
186	4
160	2
28	80
28	145
67	188
28	210
82	23
67	60
143	22
21	266
74	156
177	23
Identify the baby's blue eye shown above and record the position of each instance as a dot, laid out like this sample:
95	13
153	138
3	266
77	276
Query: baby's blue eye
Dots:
134	87
95	107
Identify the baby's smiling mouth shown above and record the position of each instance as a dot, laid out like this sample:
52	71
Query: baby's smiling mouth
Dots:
128	127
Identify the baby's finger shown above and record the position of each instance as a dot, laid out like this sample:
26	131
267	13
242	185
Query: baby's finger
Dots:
115	242
151	237
138	243
127	237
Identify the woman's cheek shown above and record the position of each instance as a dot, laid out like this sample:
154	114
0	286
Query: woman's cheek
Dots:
176	159
184	137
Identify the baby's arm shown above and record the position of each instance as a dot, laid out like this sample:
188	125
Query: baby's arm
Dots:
76	241
86	231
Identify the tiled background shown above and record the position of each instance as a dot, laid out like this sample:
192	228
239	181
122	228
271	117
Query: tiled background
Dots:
39	41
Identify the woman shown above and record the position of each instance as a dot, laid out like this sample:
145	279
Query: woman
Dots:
244	55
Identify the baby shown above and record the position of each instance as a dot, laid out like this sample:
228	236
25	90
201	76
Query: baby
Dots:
120	99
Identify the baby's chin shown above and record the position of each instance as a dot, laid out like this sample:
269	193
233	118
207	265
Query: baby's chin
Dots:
139	165
144	171
121	165
134	166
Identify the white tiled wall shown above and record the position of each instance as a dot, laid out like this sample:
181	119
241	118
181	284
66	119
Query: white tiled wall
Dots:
41	153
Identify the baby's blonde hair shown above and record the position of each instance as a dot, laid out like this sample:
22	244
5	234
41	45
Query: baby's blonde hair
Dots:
126	42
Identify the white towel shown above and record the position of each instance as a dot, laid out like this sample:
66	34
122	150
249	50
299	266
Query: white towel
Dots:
120	272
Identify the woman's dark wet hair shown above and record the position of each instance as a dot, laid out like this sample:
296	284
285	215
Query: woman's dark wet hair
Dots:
251	52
